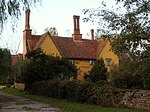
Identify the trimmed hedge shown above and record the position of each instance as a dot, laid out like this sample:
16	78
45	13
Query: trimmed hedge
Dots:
84	92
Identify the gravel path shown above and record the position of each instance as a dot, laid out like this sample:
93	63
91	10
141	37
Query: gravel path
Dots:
11	103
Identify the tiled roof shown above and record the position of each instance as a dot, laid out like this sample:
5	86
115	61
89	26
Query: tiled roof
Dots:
33	42
85	49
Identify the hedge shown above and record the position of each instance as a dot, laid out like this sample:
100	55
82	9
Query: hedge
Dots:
84	92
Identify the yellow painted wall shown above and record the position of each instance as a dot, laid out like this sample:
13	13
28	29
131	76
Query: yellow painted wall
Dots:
108	53
49	47
83	66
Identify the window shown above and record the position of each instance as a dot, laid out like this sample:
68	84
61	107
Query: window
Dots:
92	62
72	61
108	61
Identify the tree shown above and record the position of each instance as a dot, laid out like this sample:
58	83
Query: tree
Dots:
125	76
131	22
39	66
98	72
12	9
133	26
52	31
5	65
133	72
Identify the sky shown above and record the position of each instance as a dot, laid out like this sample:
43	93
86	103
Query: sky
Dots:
52	13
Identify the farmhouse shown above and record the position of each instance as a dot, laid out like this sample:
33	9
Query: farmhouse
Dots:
82	52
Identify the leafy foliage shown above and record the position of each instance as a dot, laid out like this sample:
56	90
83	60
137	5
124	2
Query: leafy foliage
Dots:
125	76
133	72
5	65
98	72
145	68
20	70
131	21
132	25
38	66
84	92
12	8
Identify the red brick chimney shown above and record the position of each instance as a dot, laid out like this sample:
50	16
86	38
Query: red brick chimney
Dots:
76	35
27	19
26	33
92	34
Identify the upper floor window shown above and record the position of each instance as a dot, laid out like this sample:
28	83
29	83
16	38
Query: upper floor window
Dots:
108	61
92	62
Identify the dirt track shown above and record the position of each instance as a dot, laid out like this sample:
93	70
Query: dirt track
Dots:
11	103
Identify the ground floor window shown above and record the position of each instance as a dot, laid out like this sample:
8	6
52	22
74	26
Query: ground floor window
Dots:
108	61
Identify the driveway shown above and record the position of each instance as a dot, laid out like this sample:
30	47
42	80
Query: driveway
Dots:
11	103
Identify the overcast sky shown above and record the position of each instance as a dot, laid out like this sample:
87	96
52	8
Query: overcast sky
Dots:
52	13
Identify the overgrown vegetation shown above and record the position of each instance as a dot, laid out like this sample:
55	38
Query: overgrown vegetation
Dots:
5	66
38	66
131	74
98	72
84	92
125	76
128	26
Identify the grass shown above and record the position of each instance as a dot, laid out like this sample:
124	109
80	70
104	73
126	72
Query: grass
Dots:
28	108
69	106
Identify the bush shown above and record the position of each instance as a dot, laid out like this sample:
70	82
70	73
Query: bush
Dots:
84	92
125	76
98	72
39	67
20	70
5	66
104	95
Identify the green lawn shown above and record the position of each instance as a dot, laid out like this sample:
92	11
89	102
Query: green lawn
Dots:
69	106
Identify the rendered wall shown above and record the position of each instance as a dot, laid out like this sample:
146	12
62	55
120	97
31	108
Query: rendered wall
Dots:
108	53
49	47
84	67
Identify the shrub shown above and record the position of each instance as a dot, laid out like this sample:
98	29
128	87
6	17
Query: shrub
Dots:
84	92
5	66
38	67
104	95
98	71
125	76
20	70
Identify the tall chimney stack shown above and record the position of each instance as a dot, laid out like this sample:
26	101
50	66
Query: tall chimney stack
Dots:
76	35
27	19
92	34
27	34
